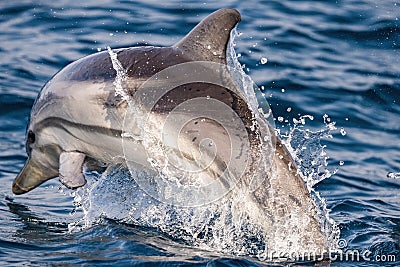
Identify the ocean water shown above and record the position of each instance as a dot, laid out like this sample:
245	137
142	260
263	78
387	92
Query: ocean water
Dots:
334	61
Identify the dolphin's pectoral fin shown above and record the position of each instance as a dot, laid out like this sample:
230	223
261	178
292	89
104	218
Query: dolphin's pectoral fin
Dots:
71	169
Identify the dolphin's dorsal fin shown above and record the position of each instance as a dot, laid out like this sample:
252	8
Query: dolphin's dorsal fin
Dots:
209	39
71	169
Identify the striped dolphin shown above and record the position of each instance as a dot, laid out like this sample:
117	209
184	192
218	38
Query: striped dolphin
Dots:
78	118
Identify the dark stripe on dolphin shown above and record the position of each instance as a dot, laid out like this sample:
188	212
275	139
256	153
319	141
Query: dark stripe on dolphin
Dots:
57	122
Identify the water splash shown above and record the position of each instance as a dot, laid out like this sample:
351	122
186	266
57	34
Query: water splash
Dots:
308	152
250	90
220	226
121	77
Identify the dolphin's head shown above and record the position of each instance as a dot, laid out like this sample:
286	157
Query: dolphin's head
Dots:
41	165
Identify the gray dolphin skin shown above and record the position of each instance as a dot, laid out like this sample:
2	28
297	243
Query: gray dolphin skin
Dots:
77	118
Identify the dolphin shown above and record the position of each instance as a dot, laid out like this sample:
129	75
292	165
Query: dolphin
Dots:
78	119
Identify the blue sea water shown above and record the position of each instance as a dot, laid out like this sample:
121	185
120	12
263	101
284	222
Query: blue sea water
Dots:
339	58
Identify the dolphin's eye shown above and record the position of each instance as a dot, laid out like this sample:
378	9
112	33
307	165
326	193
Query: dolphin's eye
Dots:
31	137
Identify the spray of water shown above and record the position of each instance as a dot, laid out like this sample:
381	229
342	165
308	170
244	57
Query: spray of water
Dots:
308	152
120	78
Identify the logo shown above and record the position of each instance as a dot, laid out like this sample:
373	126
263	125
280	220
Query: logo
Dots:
195	132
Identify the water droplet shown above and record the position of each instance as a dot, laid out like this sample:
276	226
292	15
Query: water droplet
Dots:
264	60
326	118
342	131
282	90
341	163
98	49
289	109
280	119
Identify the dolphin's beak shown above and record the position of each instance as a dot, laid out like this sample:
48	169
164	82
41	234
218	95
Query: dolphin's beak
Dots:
30	177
